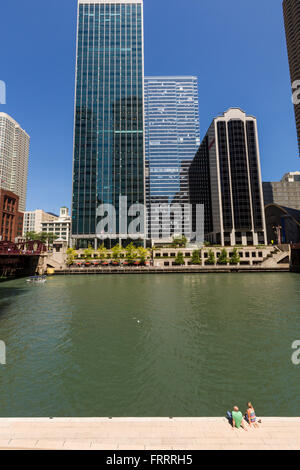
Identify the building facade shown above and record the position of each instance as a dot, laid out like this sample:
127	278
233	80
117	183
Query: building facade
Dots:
225	177
285	193
109	116
11	220
283	224
61	227
172	137
14	154
291	11
33	220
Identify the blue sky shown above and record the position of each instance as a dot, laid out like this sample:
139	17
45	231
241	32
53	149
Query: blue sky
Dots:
236	48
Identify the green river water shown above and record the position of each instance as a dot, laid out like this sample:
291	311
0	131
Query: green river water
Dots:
150	345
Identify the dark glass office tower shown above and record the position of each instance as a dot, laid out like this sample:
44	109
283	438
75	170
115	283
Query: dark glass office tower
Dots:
291	11
109	117
225	176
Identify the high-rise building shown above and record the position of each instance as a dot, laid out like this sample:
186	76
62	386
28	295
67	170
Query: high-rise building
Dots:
14	154
291	10
33	220
225	177
109	115
285	193
172	138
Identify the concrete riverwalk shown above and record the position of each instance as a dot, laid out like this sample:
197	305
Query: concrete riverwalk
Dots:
146	434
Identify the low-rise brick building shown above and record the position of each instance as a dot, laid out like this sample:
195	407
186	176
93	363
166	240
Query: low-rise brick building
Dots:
11	220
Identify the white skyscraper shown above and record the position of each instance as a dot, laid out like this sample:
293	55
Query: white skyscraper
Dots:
14	154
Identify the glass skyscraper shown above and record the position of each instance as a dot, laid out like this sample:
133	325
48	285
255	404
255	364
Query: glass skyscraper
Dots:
172	138
291	11
109	117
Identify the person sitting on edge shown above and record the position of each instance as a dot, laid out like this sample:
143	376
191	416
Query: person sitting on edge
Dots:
237	419
252	420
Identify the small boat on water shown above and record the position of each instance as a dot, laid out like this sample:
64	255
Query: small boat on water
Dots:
37	280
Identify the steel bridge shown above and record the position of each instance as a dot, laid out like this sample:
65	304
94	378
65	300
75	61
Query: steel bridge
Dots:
24	248
21	258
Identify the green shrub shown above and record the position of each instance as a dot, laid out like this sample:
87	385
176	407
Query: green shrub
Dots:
223	258
211	260
235	258
180	242
179	260
196	259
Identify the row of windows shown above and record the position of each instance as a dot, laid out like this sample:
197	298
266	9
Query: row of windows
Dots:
120	151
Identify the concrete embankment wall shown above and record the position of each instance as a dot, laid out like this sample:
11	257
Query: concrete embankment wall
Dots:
295	269
183	270
12	266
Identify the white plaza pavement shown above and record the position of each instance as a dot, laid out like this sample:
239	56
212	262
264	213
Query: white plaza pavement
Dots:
146	434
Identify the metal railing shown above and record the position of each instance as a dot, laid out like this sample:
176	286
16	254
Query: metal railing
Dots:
28	248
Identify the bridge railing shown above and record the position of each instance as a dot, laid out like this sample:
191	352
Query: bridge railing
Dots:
22	248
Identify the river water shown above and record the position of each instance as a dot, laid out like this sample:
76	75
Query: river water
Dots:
150	345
